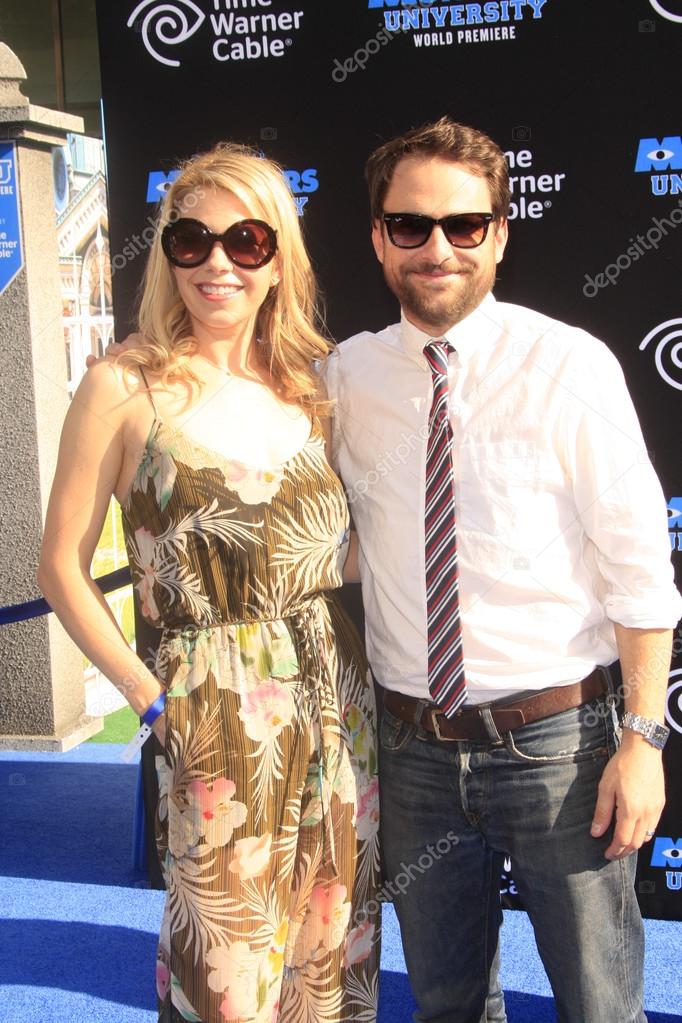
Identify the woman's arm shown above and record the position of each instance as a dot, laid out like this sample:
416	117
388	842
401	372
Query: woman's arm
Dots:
91	456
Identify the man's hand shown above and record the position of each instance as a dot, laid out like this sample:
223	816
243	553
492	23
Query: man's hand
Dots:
115	349
632	787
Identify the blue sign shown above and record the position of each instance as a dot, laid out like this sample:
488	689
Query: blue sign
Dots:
158	184
666	853
11	256
659	156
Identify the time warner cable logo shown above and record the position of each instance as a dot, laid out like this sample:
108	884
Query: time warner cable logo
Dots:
662	9
666	344
238	36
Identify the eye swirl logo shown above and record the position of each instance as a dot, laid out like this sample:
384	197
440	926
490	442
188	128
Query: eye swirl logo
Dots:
673	703
673	356
169	23
660	9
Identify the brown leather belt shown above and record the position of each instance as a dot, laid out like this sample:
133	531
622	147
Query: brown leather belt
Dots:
488	721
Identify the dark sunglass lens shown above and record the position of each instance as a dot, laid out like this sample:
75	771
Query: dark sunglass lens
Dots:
249	243
408	232
188	242
465	231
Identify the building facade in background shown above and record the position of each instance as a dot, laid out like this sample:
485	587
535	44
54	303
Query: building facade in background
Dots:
56	41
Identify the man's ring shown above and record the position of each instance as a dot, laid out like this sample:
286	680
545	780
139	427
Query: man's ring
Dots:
649	834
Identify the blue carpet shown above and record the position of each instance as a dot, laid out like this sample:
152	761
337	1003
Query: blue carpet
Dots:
78	932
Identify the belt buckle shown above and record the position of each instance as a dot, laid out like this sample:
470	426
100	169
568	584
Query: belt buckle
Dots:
436	728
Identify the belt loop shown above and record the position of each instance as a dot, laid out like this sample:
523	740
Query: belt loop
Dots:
489	723
419	712
612	695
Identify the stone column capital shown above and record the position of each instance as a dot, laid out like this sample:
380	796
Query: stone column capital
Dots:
22	120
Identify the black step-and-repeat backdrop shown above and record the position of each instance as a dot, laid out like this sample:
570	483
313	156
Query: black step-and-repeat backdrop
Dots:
584	99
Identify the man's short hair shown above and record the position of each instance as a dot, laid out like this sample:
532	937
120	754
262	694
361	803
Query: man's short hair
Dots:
447	140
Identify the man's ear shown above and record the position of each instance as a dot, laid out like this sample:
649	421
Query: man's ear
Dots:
500	239
378	239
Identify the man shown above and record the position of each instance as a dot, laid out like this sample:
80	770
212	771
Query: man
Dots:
487	632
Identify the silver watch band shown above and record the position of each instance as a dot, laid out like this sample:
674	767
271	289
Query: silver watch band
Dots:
655	733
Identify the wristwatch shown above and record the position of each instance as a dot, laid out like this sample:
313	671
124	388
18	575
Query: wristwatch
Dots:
656	735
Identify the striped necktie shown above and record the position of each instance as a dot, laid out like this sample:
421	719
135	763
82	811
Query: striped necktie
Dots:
446	663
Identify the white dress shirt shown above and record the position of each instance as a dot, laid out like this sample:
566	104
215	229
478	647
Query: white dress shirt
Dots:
561	521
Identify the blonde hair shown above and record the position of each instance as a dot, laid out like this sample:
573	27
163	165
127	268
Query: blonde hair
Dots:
290	343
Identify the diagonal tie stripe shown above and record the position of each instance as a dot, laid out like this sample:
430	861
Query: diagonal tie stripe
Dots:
444	627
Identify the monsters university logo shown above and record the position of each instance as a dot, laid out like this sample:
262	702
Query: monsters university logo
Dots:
668	854
432	21
662	160
302	184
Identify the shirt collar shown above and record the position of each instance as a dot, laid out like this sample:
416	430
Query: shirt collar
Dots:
468	336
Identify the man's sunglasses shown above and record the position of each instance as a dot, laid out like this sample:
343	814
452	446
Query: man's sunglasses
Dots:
463	230
249	244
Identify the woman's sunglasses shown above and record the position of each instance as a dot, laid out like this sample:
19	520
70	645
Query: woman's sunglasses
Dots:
249	244
463	230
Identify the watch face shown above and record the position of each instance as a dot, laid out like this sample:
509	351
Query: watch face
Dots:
655	733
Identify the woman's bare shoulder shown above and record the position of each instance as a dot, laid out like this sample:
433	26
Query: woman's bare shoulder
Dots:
108	378
109	389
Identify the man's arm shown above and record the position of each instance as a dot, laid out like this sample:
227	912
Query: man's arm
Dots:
632	783
621	507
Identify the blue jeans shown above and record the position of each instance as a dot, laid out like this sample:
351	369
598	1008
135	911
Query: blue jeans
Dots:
451	811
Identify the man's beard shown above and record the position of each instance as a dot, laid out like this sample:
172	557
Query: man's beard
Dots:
444	310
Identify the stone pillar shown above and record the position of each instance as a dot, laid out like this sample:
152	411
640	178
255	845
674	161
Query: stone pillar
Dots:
42	701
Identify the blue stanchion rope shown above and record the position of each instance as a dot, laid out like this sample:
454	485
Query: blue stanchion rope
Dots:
36	608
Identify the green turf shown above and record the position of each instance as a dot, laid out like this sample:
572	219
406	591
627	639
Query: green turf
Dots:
110	554
118	727
107	557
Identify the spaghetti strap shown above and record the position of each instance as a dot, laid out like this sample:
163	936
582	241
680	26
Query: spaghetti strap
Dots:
149	393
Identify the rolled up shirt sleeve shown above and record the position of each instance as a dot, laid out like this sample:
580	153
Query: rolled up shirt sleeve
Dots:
618	496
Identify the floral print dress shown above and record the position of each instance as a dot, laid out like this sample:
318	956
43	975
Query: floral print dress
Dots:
267	822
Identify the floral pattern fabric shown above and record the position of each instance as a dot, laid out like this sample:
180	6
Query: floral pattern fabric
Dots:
267	820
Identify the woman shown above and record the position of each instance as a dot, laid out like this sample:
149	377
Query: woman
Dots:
207	433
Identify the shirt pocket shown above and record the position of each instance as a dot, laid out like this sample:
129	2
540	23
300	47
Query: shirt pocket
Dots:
383	459
511	492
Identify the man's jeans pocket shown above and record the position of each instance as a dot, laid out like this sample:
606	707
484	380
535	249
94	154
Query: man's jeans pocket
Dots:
581	734
394	733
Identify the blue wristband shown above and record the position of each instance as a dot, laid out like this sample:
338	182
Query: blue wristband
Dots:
155	710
